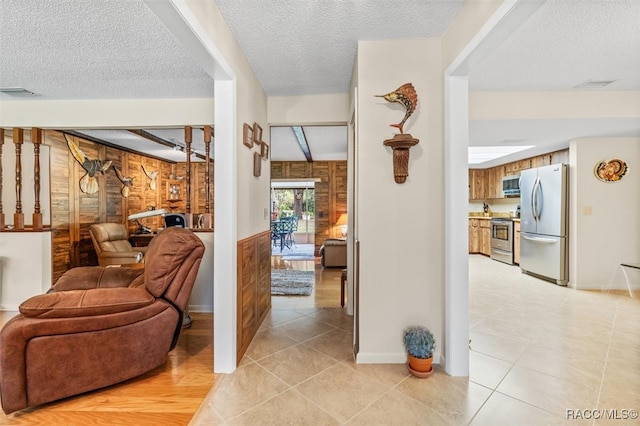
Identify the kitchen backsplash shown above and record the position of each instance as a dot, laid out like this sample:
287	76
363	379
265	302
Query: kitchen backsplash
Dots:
495	206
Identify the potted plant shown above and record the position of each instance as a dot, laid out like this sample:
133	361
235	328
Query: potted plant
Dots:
419	343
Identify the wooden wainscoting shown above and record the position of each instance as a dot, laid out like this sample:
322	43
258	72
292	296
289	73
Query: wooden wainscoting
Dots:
254	287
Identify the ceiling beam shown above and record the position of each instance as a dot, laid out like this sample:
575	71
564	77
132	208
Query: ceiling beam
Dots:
298	131
159	140
111	145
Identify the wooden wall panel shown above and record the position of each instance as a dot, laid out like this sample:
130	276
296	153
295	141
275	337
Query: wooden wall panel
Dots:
254	287
72	211
330	191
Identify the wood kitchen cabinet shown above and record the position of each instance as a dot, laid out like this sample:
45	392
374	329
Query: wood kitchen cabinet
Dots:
480	236
486	184
477	184
474	236
485	236
516	242
516	167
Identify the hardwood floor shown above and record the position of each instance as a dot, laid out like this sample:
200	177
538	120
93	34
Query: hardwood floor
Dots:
168	395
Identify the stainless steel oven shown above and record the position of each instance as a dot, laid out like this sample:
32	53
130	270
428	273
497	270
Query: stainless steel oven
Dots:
502	240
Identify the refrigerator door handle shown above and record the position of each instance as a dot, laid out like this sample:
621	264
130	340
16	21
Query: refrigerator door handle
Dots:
535	198
539	239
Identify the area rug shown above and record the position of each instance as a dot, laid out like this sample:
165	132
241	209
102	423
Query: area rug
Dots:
292	283
297	252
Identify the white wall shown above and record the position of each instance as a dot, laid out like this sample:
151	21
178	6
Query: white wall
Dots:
25	267
242	200
307	110
399	225
250	106
104	114
605	216
540	105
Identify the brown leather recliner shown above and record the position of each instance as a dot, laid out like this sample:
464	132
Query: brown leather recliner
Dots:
111	242
99	326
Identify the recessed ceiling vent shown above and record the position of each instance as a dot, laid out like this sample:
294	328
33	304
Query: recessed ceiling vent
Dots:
593	84
17	91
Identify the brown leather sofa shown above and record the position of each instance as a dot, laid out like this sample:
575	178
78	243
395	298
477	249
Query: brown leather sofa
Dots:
111	242
334	253
98	326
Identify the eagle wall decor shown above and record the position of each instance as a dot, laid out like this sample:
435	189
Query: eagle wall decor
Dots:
152	178
127	182
406	96
88	183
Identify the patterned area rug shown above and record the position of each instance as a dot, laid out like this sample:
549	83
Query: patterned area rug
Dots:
297	252
292	283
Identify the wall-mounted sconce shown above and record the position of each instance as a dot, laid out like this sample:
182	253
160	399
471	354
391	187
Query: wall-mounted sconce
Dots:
401	143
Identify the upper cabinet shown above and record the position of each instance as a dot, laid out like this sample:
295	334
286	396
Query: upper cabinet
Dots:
486	184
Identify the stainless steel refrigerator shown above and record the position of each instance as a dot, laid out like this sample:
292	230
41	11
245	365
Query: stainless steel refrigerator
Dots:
544	222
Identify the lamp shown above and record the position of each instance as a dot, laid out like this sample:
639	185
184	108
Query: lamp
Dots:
144	214
342	223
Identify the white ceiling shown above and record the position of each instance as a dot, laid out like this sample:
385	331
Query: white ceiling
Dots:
83	49
309	47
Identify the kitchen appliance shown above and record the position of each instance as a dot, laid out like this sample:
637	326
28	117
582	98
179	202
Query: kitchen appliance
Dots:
544	222
511	186
502	240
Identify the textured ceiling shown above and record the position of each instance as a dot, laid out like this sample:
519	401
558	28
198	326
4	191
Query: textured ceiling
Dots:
309	47
564	44
83	49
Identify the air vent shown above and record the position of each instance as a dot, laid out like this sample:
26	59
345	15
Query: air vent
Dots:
17	91
593	84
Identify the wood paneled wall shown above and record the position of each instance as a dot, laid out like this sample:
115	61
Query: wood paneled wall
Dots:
254	287
72	211
330	192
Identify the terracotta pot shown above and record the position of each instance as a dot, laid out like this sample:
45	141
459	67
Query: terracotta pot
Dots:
420	367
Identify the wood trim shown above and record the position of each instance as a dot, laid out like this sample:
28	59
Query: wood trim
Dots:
36	140
254	288
1	207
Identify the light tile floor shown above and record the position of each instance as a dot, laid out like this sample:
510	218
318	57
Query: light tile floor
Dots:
537	350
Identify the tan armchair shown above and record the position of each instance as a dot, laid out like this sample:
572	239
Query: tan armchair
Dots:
111	242
334	253
99	326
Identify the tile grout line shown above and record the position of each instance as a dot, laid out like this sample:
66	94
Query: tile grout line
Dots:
606	358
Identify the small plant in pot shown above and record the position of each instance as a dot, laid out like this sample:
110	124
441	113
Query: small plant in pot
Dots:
419	343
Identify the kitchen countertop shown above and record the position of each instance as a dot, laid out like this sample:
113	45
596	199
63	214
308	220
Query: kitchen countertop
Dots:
500	216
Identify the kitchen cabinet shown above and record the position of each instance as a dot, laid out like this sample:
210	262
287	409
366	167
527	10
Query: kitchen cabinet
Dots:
485	236
486	184
477	184
480	236
516	167
516	242
474	236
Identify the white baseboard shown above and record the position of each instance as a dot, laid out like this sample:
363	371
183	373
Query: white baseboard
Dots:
13	308
387	358
205	309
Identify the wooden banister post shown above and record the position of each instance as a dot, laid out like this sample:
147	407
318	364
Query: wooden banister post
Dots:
1	209
36	140
208	222
18	216
187	142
